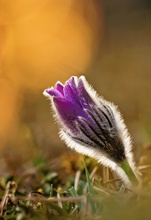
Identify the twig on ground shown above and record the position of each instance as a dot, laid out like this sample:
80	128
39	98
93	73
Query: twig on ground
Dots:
59	201
144	167
49	200
77	178
111	181
106	177
5	198
93	172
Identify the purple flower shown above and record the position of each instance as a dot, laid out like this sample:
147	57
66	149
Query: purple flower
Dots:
91	125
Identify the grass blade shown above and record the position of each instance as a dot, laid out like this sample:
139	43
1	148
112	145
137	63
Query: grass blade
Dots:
74	193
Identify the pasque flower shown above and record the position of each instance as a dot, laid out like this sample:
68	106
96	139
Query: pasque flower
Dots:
93	126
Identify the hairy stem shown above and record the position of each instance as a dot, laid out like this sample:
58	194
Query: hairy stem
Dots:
129	173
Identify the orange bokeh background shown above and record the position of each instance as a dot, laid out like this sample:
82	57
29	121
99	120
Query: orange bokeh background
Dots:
41	42
44	41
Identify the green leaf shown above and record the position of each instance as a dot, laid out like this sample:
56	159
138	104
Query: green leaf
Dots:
90	188
74	193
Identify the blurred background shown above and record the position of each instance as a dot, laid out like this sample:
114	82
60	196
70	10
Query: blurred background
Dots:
43	41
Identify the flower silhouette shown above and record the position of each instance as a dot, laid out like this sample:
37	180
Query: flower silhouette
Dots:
93	126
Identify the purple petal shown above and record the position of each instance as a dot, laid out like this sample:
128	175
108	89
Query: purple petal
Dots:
84	97
54	92
59	87
64	111
67	110
71	96
72	84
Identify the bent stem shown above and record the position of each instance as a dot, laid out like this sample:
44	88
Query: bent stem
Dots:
129	173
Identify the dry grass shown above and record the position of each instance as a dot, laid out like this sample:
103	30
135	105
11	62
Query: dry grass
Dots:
65	193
